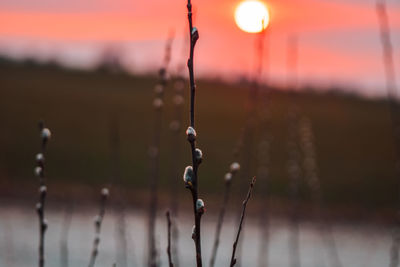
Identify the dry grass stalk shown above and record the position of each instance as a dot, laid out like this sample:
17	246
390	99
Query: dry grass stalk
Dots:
154	155
310	167
169	240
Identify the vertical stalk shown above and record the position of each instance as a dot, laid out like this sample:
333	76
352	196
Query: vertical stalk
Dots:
191	173
155	156
246	200
97	224
228	182
45	135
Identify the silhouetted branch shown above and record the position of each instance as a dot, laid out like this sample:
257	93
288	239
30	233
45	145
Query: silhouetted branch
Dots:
45	135
97	223
190	175
228	181
246	200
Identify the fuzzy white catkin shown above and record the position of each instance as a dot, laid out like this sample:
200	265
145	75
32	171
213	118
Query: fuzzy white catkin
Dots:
235	167
199	204
38	171
228	177
105	192
46	134
39	157
188	174
191	133
199	155
43	189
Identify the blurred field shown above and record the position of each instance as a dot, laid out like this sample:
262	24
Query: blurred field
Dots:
353	135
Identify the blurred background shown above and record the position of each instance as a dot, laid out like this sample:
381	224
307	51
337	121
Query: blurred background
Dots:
304	106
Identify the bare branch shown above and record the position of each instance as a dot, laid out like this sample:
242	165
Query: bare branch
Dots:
233	259
191	182
45	135
97	223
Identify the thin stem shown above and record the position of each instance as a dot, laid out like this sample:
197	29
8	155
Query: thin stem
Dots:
190	64
219	224
155	157
194	35
169	240
40	206
97	223
233	259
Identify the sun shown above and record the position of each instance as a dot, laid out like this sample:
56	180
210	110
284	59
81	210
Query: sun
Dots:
252	16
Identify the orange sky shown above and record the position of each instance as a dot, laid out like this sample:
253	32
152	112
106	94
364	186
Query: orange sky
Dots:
338	39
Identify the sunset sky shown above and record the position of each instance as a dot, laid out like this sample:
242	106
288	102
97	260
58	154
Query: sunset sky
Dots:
338	40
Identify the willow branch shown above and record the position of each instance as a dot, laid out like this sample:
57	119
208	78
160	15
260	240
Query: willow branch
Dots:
192	182
228	181
97	223
45	135
233	259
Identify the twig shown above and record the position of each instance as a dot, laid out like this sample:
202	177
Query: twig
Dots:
97	223
45	135
233	259
169	240
190	175
154	154
228	182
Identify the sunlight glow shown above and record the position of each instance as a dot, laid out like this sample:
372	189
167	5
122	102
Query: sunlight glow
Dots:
252	16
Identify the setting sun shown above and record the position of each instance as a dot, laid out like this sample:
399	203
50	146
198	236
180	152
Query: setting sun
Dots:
252	16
